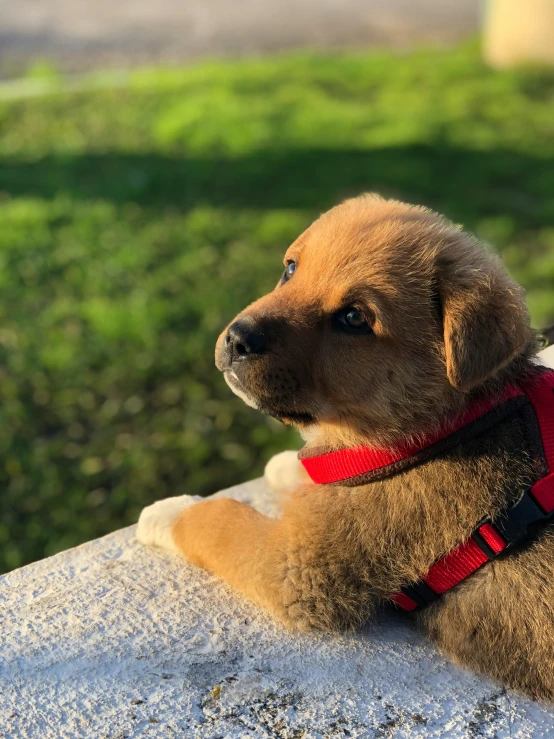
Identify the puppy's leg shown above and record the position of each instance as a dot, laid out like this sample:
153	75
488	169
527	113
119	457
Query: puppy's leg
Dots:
284	473
285	565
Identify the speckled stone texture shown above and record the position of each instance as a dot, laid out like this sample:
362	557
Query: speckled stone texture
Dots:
115	640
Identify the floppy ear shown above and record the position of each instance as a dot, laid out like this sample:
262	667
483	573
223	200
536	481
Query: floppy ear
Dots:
486	322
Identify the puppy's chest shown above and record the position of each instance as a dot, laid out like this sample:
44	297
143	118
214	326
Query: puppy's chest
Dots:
420	513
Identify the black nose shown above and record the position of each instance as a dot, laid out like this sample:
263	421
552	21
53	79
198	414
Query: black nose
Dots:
244	339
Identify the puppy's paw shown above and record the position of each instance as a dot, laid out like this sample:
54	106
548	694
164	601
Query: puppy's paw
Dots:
156	521
284	473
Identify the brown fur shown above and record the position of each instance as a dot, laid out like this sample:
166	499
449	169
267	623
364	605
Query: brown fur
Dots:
448	325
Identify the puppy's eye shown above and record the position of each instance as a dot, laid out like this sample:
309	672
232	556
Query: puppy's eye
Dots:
289	271
353	320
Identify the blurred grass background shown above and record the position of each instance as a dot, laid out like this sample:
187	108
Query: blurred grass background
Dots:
136	221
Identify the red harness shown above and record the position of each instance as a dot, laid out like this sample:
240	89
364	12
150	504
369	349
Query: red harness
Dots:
515	524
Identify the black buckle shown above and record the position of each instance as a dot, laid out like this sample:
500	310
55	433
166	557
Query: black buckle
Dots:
515	525
518	522
420	593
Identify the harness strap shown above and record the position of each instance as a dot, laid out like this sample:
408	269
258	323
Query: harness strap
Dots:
535	506
343	464
486	542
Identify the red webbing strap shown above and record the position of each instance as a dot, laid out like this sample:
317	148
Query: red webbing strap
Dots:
540	392
353	461
456	566
543	492
404	601
469	557
461	562
492	538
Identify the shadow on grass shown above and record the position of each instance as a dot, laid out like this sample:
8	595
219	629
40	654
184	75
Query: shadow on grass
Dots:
466	184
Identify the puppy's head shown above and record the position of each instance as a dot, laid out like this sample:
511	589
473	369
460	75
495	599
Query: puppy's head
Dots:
385	319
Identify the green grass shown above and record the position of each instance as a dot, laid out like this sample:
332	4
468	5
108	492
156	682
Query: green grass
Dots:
134	222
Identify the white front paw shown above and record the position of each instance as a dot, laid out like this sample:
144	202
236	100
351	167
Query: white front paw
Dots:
156	521
284	472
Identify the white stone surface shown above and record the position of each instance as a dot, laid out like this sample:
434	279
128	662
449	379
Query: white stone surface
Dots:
114	640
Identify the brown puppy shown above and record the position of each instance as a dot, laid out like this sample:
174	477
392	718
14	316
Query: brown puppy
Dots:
387	322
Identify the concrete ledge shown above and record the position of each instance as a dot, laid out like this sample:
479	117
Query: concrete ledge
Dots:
115	640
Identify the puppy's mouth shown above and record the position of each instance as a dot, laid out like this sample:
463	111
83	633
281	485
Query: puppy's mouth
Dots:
238	388
269	407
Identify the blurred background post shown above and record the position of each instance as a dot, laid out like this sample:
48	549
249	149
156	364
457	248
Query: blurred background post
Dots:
156	159
519	32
